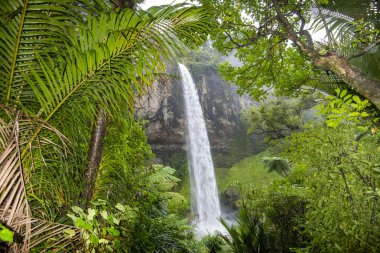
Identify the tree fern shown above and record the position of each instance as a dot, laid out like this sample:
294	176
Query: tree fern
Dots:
277	164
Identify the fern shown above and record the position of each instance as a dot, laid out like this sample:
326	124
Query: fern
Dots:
277	164
59	59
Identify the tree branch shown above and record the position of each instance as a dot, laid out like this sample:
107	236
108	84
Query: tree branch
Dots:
365	50
292	33
232	40
355	78
303	31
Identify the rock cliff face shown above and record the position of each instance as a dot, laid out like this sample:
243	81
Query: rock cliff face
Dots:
163	107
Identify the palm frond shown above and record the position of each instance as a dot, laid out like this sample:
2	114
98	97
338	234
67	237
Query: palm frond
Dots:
14	206
329	82
56	55
338	25
134	44
369	62
337	19
248	235
233	239
368	9
338	16
49	236
131	43
31	26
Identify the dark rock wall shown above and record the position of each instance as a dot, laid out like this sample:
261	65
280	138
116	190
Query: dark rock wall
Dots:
221	105
163	107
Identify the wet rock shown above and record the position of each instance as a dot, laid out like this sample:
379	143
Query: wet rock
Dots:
229	199
163	108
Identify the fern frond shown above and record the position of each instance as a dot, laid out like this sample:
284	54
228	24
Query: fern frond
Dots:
163	178
277	164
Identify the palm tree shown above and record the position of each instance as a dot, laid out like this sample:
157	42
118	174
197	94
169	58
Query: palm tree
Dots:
60	59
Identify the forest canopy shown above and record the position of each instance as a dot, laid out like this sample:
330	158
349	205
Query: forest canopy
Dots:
77	173
273	40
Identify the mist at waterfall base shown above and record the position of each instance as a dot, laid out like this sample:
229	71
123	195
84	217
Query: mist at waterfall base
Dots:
204	193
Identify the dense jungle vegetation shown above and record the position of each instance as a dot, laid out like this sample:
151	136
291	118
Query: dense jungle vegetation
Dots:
77	173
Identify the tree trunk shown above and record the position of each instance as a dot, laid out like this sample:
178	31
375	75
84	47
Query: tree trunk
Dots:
98	133
355	78
361	83
94	155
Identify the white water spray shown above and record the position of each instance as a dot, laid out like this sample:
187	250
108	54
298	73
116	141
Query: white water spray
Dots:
204	193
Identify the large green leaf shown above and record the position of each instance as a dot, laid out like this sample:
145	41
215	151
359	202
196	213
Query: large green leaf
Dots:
31	26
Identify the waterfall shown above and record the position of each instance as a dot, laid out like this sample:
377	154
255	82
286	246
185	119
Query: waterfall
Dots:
204	193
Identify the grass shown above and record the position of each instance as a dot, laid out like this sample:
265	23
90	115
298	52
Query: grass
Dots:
248	171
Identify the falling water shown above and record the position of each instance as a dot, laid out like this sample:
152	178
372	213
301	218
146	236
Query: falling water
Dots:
204	194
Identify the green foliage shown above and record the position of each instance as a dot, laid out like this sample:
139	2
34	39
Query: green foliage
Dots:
206	55
62	61
130	229
277	164
277	52
213	243
178	160
284	206
267	61
6	235
103	229
126	178
354	25
347	108
124	163
163	180
55	72
367	33
341	163
329	202
341	178
249	235
245	173
276	118
126	175
259	74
